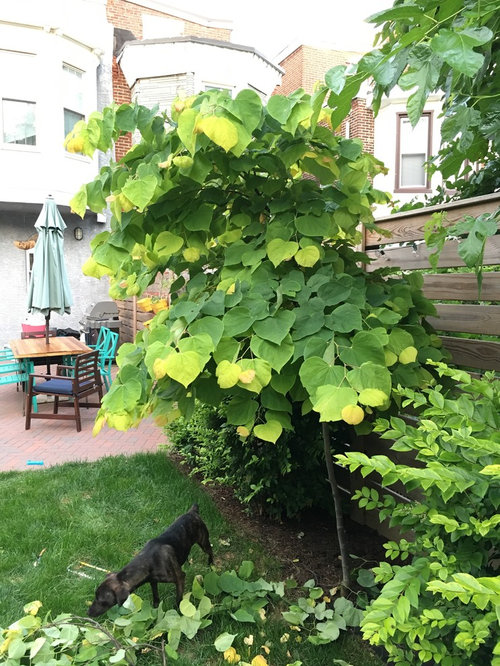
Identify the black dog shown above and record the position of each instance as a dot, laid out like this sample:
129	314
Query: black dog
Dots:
159	561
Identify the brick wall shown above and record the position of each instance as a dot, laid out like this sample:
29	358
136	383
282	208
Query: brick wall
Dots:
128	15
121	95
361	123
307	65
293	65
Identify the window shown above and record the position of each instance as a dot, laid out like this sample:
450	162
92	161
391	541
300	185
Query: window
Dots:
18	122
72	97
413	148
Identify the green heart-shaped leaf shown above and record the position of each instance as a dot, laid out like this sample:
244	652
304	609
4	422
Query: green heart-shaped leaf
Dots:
279	250
269	431
183	367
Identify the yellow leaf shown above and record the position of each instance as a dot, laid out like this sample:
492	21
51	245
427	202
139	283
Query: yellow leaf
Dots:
228	374
100	421
408	355
92	269
308	256
33	607
242	431
352	414
259	660
144	304
160	368
231	288
247	376
126	204
231	656
159	305
220	130
191	254
121	421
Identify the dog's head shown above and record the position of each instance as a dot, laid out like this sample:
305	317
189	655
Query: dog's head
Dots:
110	592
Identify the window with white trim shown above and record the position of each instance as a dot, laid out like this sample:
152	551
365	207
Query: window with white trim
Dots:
19	122
72	97
18	95
413	149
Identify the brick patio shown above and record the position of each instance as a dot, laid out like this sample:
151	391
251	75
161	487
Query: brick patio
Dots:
55	442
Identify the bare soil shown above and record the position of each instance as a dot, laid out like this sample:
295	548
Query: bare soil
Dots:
306	547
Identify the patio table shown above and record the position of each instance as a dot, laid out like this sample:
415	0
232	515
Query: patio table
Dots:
38	347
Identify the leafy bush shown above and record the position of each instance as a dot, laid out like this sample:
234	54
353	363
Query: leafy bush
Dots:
440	606
277	479
129	633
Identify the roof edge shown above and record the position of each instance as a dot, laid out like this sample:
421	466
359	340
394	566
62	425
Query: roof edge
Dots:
200	40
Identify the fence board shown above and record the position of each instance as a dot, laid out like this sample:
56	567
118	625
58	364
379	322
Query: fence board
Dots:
462	286
409	226
478	319
481	354
410	258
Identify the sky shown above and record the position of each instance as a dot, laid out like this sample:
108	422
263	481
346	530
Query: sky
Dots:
270	25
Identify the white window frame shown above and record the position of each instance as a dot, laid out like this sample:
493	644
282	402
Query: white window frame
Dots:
70	105
426	151
15	144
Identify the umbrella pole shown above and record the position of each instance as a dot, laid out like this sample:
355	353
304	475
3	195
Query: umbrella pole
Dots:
47	339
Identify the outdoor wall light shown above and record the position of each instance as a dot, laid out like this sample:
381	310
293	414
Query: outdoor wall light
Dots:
78	233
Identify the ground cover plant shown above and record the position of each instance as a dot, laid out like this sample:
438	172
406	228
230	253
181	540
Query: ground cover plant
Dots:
439	595
101	513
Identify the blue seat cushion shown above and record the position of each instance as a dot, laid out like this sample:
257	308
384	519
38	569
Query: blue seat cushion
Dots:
63	386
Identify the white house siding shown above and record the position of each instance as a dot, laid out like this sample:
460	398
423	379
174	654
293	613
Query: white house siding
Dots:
19	225
50	33
209	63
385	135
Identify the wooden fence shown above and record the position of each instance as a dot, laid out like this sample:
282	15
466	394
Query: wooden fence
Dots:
132	319
468	314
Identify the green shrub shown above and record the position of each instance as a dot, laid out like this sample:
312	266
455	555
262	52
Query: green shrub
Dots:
278	479
439	602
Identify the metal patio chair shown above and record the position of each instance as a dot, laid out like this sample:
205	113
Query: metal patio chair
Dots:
15	371
107	354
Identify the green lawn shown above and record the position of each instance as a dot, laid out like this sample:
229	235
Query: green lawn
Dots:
102	513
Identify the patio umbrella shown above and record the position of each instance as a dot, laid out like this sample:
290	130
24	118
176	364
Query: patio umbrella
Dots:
49	288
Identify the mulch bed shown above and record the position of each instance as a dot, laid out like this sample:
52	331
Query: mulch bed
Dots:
306	546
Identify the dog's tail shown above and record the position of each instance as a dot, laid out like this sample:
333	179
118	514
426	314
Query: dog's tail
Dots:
194	509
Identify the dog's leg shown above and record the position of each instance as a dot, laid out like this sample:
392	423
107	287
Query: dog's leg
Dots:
180	577
154	590
204	543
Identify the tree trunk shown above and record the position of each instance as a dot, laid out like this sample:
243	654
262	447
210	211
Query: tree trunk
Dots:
339	517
